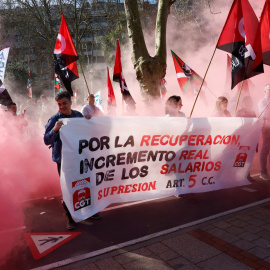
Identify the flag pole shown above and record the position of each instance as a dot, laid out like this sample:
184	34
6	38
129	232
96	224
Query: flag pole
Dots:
264	109
202	82
241	88
54	88
239	96
211	91
84	78
122	105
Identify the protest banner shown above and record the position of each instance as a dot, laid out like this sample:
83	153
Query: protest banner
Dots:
119	159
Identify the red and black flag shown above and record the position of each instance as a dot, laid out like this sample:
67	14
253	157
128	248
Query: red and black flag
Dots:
65	56
111	97
189	81
240	37
247	86
265	32
5	98
119	77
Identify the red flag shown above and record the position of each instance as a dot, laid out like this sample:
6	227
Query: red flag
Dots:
111	97
65	56
119	77
265	32
241	37
189	81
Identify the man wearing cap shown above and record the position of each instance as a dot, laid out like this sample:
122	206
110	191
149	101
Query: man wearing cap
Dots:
265	110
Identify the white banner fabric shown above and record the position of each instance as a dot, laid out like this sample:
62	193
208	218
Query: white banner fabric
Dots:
119	159
3	63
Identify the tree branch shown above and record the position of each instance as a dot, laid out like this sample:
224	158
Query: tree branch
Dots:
135	31
161	24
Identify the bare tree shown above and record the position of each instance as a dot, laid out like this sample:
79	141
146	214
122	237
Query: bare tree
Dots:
34	24
149	70
42	18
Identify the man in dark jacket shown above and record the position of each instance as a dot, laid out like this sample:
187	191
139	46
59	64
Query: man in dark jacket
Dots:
52	138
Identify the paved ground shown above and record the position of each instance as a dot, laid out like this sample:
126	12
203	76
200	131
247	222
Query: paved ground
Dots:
233	226
236	241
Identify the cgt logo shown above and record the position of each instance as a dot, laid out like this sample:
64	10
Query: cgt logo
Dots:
81	198
240	160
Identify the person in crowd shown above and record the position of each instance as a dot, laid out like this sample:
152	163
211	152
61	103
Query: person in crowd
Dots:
3	108
31	111
52	138
264	111
45	109
44	102
12	108
39	104
131	109
221	108
173	106
89	110
111	111
20	109
18	118
246	110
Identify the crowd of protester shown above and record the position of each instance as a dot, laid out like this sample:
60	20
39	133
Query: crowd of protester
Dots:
174	104
35	115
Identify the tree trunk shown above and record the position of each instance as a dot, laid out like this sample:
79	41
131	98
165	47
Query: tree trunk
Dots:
149	70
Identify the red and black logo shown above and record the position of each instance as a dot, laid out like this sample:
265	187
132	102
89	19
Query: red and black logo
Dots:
81	198
240	160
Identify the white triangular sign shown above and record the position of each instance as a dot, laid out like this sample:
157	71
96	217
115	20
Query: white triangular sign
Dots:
44	242
41	244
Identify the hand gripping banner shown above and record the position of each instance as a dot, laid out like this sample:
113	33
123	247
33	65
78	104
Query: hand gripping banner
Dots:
119	159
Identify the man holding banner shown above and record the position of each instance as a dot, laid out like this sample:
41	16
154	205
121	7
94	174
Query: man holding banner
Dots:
52	138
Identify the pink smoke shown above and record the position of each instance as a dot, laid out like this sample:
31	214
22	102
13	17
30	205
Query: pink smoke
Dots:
27	172
195	43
